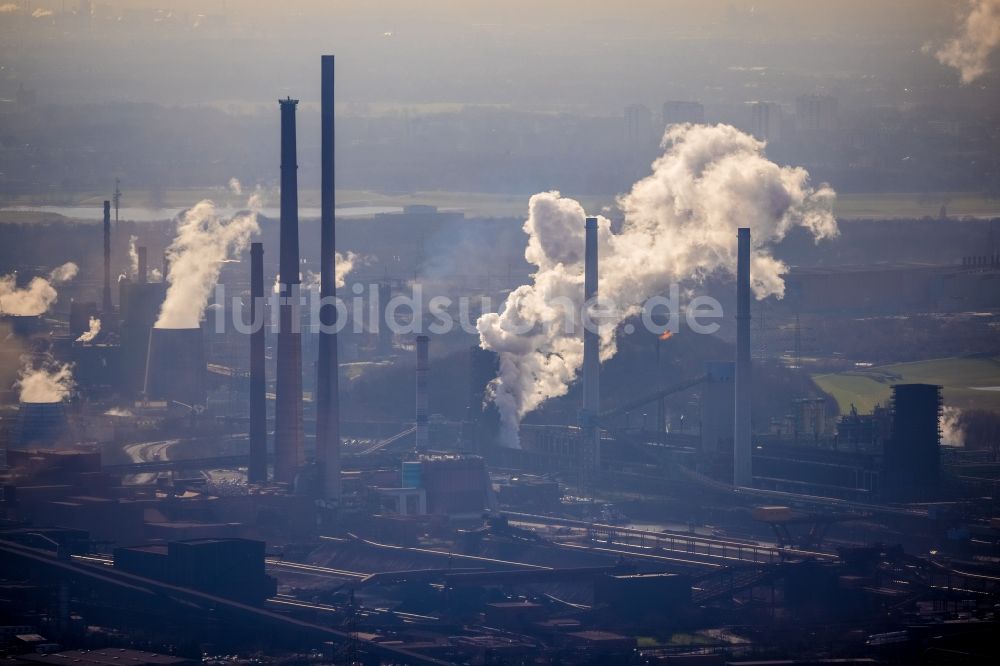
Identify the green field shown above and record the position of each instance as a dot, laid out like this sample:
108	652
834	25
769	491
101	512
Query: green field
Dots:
864	388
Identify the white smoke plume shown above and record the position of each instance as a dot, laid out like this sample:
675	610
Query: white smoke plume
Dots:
204	241
979	35
92	332
950	423
257	199
64	273
119	411
38	296
49	382
679	227
41	13
133	256
344	263
8	8
155	275
235	186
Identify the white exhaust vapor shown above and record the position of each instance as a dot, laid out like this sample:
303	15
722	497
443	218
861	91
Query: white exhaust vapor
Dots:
133	256
979	35
50	382
679	226
344	264
204	241
92	332
38	296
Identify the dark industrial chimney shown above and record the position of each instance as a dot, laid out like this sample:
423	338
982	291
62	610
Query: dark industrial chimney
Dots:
143	269
257	470
106	300
288	455
327	381
591	451
422	435
742	447
384	341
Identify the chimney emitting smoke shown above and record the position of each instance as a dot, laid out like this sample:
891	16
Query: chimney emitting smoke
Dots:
591	452
742	447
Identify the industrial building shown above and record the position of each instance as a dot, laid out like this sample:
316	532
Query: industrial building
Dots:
195	489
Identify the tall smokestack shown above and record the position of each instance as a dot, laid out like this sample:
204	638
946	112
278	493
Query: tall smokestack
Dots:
106	300
257	470
288	455
143	269
591	452
422	365
742	447
327	381
384	342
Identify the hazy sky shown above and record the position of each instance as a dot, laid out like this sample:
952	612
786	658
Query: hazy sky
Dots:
581	54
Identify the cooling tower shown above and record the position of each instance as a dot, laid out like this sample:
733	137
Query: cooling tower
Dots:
422	437
327	381
257	469
41	424
912	455
140	304
591	452
175	366
288	450
742	446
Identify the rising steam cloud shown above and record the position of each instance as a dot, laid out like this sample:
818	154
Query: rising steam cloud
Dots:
133	256
950	424
344	263
92	332
48	382
979	35
38	296
679	226
204	241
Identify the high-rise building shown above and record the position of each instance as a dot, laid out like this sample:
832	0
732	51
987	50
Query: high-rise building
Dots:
816	113
765	120
638	126
675	111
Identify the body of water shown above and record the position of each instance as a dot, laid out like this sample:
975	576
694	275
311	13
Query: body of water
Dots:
96	213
